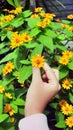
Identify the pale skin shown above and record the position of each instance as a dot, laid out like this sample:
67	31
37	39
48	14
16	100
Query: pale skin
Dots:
41	90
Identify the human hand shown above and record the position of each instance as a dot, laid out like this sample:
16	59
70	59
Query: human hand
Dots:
42	89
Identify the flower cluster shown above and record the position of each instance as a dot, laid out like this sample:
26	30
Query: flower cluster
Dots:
18	39
66	56
67	110
8	68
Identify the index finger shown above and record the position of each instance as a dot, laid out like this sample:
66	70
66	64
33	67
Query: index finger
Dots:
50	73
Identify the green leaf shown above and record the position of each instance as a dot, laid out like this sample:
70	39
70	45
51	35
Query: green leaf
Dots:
26	13
66	21
26	62
24	74
17	3
71	97
19	92
19	102
4	50
14	106
54	105
59	116
31	45
7	80
21	111
10	2
61	124
33	22
61	37
1	69
60	46
63	73
34	32
50	33
70	65
37	50
1	103
8	57
3	117
17	22
1	128
2	45
46	41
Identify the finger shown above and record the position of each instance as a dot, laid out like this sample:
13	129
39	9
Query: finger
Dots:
56	73
36	75
50	73
44	77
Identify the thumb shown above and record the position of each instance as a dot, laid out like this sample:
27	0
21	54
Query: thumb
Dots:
36	75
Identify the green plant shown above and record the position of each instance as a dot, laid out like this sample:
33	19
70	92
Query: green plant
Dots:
24	35
15	3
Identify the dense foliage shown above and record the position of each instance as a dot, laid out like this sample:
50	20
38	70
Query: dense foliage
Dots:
23	35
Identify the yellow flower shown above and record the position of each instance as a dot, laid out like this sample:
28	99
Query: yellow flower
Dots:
70	28
7	18
48	15
34	16
41	24
16	41
11	112
1	23
1	89
8	109
46	20
16	11
69	121
66	84
9	28
67	109
70	16
37	10
26	37
8	95
67	54
37	61
64	25
8	68
62	102
12	119
64	60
